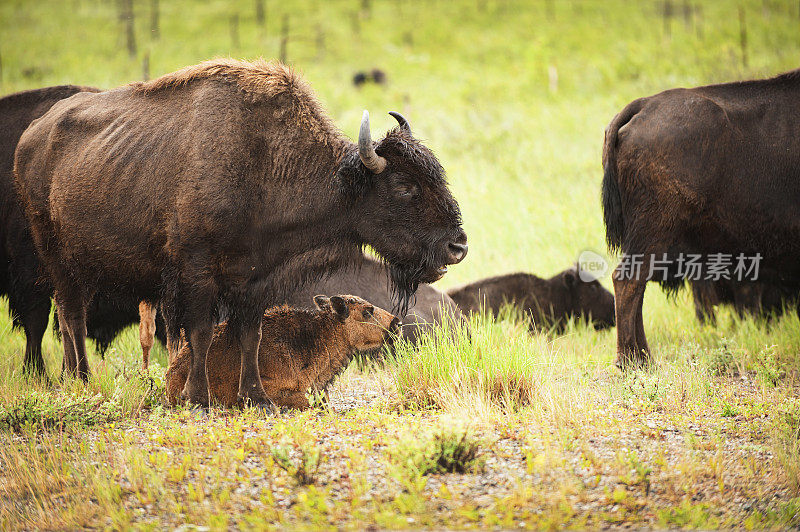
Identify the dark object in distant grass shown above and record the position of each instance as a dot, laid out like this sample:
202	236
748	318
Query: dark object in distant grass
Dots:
20	277
301	350
752	298
707	170
222	185
550	303
376	76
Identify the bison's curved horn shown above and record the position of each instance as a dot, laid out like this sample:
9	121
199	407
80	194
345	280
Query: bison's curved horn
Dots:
404	125
374	162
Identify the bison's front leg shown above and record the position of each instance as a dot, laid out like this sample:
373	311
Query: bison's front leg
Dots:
632	349
251	390
196	388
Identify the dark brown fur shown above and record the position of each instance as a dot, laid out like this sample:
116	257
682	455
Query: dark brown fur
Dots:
301	351
712	169
550	303
222	185
760	301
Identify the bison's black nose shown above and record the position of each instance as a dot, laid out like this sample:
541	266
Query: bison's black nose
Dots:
395	326
458	248
457	251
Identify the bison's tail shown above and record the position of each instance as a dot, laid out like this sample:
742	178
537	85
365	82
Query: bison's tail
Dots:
612	201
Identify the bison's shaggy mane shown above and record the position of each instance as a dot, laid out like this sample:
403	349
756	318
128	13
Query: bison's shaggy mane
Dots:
261	80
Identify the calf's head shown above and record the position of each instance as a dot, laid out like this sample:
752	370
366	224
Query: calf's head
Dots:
366	326
403	207
589	298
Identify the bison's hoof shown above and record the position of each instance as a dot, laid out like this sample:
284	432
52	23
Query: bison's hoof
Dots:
195	396
254	399
632	362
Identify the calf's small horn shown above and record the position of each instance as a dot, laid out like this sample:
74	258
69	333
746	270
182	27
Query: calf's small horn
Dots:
366	151
404	125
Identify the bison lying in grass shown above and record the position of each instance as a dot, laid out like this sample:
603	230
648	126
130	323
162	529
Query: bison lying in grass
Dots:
301	350
369	279
550	303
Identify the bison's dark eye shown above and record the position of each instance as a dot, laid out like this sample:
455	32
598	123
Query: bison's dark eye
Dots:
368	312
406	190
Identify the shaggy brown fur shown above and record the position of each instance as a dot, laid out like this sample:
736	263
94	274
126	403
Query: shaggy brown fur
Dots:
301	351
217	189
550	303
263	81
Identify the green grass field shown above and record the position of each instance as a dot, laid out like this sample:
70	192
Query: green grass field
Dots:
499	430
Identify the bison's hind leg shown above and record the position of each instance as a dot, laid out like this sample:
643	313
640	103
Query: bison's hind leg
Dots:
72	320
632	348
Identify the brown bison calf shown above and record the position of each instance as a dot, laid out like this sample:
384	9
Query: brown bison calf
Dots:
549	302
300	351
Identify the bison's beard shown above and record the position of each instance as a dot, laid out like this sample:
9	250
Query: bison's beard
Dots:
405	279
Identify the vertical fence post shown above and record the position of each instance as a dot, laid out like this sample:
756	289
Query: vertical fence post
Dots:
320	42
284	39
260	13
743	35
235	31
155	31
130	35
146	66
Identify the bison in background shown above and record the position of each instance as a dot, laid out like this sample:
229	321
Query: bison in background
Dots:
301	350
368	278
20	276
550	303
222	185
707	170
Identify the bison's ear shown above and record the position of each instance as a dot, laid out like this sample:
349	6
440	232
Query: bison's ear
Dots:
569	278
322	303
354	179
340	307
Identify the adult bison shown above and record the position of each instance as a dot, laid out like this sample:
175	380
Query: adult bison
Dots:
223	185
20	277
709	171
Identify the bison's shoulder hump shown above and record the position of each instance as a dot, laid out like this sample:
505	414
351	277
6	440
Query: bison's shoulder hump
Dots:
259	77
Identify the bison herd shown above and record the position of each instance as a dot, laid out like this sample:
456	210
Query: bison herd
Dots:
223	196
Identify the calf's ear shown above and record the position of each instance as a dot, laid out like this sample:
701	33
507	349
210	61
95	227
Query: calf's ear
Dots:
322	302
340	307
569	278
